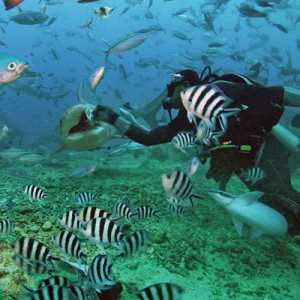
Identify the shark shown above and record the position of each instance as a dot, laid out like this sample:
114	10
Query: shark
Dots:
245	209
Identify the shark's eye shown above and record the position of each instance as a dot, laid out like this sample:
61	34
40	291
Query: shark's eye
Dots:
11	66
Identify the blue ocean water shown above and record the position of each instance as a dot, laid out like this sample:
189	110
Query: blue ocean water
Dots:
32	108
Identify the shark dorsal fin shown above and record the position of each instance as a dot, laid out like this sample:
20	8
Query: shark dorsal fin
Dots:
249	198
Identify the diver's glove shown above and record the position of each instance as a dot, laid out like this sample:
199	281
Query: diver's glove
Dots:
104	114
108	115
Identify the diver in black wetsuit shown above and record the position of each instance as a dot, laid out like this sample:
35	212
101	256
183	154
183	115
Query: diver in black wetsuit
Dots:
247	135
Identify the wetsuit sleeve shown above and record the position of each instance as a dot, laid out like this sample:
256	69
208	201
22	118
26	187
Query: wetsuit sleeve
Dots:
161	134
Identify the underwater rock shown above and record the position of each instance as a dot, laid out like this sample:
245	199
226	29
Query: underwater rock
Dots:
47	226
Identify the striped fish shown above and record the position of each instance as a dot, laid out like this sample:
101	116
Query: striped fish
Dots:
161	291
102	231
70	220
85	198
179	185
100	272
34	192
32	250
183	140
78	292
70	245
122	209
54	280
88	213
177	209
252	175
30	267
134	243
174	201
208	103
145	212
207	136
6	227
51	292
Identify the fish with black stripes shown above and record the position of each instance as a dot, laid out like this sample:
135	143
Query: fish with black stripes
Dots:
86	214
179	185
122	209
133	243
34	193
70	220
100	272
144	212
206	136
53	292
6	226
54	280
86	198
252	175
70	245
161	291
103	232
32	250
177	209
183	140
30	267
209	103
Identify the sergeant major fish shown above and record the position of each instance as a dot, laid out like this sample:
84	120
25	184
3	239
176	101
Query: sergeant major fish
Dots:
179	185
208	103
11	68
34	192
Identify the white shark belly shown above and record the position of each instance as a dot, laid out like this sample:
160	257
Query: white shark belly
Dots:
261	217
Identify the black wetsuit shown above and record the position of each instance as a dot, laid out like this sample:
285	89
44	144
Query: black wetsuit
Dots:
263	107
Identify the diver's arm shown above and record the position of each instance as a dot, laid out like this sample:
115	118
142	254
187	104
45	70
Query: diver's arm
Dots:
160	135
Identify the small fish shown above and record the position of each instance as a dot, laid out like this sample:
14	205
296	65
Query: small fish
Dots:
11	68
252	175
100	272
161	291
126	44
179	185
87	24
96	78
4	132
248	10
32	158
144	212
82	171
102	232
9	4
88	213
34	193
174	201
281	27
55	280
183	140
86	198
70	245
177	209
32	250
133	243
103	11
53	292
6	227
70	220
193	165
29	18
207	136
122	209
30	267
208	103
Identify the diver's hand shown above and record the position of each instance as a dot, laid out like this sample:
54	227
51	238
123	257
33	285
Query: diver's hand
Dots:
104	114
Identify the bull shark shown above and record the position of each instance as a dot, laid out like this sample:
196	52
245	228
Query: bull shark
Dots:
245	209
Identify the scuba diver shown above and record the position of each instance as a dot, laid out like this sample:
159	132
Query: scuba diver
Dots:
243	143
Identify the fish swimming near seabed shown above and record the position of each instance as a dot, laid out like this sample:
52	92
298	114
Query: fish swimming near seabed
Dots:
82	171
245	209
11	68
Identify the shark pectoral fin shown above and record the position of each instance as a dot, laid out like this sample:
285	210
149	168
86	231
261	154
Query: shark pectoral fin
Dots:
249	198
254	233
238	224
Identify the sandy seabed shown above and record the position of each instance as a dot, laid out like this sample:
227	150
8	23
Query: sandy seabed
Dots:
199	250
